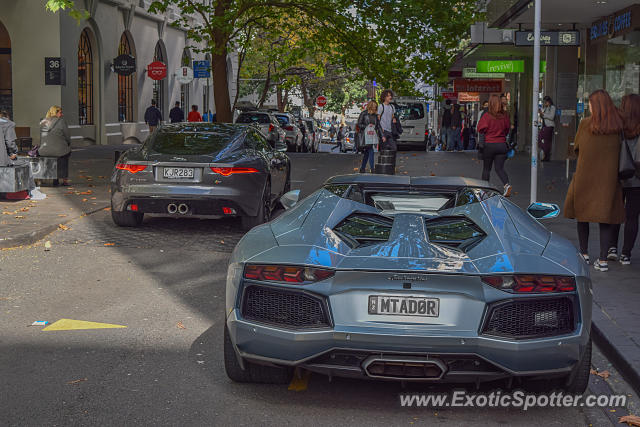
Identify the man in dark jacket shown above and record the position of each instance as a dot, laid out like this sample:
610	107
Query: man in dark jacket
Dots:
152	116
455	142
446	123
176	115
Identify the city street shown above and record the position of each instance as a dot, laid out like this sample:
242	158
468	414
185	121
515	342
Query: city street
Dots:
165	281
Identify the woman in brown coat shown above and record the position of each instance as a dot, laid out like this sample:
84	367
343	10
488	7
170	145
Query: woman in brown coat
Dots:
595	193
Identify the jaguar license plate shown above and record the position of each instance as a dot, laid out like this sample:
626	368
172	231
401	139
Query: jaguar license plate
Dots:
178	173
404	306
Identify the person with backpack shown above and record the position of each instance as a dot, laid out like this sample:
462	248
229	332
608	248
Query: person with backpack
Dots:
630	111
545	136
595	192
371	134
176	115
387	116
495	126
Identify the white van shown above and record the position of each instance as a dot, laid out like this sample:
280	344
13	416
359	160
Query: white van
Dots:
414	117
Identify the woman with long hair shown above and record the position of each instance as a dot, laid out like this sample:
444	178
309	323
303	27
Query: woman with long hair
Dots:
495	126
369	122
630	111
55	139
595	193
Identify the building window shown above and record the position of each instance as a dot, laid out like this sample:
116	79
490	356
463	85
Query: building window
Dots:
184	89
158	86
85	79
125	85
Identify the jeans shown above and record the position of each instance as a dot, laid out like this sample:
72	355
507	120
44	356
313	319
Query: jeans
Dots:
632	212
390	143
606	231
495	151
455	142
444	136
367	155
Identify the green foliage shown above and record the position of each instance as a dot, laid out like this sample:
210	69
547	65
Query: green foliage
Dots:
69	5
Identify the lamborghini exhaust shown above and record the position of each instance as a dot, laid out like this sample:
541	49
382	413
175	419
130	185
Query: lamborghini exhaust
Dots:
404	368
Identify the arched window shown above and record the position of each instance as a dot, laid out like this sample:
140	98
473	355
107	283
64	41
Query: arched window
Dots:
125	84
85	79
184	89
6	92
158	86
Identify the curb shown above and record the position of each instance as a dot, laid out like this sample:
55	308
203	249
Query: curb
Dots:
37	235
608	337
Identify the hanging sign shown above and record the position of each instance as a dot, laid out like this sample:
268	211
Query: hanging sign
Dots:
468	97
54	72
449	95
471	73
549	38
124	65
157	70
472	85
201	69
184	75
506	66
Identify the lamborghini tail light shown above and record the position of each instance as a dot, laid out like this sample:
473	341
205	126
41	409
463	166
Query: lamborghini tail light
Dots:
131	168
531	283
286	274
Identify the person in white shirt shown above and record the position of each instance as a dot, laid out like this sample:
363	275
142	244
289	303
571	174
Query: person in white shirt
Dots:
386	114
545	136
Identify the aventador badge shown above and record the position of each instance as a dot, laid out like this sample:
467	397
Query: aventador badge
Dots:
409	277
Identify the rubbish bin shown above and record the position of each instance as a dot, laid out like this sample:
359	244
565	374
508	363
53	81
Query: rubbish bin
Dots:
386	162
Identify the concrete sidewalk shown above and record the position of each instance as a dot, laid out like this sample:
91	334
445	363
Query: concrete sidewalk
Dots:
24	222
616	310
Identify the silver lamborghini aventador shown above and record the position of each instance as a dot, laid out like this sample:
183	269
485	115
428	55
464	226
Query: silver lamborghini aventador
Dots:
436	279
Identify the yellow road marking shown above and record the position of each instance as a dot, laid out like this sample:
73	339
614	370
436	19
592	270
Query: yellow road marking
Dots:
300	380
70	325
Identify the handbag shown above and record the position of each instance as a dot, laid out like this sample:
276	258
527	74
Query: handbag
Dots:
626	166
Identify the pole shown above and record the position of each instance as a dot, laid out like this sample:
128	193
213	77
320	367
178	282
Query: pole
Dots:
534	112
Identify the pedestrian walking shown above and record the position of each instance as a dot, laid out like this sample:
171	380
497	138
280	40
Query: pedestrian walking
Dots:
176	115
55	140
595	193
209	117
445	126
387	116
504	99
370	134
545	137
194	116
455	131
152	116
340	138
332	132
495	125
630	111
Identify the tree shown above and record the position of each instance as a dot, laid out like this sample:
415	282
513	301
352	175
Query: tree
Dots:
69	5
345	93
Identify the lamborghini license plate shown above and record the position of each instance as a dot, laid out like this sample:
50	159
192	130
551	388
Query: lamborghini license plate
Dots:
404	306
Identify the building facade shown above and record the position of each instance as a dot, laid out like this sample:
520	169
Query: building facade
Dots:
50	59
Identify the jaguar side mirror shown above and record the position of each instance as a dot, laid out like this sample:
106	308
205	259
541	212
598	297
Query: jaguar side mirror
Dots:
540	210
290	199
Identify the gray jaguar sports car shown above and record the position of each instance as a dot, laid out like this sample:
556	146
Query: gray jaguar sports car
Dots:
437	279
200	169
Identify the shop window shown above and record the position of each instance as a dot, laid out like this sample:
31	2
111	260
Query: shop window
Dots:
125	85
85	79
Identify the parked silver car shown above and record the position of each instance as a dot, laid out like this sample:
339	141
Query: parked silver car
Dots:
314	134
268	124
293	134
435	279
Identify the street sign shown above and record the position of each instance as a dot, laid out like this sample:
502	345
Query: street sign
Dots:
468	97
482	86
321	101
184	75
157	70
55	72
549	38
124	65
471	73
201	69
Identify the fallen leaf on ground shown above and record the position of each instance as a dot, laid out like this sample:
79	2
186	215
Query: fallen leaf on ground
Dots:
77	381
86	192
25	209
603	374
92	198
62	215
414	154
63	227
7	213
109	244
84	200
19	216
632	420
107	209
47	245
101	177
181	326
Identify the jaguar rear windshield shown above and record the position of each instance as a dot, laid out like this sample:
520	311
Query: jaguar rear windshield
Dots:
193	143
253	118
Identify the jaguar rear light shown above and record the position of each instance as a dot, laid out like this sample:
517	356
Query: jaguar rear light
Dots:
531	283
131	168
232	170
271	127
289	128
286	274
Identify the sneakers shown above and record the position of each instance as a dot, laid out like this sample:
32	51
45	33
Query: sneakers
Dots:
601	265
586	258
36	194
507	190
612	255
625	260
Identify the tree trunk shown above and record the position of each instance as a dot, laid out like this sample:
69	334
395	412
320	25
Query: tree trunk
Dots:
219	66
279	99
309	103
265	90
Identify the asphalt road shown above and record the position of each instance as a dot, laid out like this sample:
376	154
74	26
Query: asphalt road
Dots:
165	283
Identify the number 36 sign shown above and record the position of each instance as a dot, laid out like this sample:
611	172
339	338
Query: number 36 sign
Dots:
54	71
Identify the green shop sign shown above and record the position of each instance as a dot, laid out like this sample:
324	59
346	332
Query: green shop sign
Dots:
472	73
505	66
